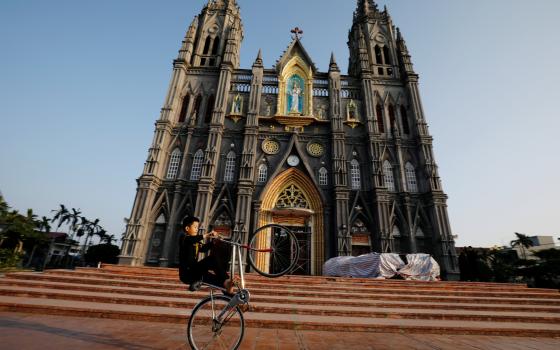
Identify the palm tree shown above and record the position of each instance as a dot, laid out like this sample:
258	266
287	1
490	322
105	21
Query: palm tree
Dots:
108	239
522	241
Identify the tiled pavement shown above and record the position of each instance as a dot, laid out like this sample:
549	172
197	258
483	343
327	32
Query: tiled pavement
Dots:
34	331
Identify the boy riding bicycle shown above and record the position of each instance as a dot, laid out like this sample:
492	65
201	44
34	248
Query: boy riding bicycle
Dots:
208	270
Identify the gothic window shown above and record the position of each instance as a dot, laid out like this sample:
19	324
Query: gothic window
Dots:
379	112
174	164
207	45
230	167
197	165
196	108
378	56
323	177
388	176
411	183
263	170
396	235
392	116
215	46
406	128
386	55
355	174
292	197
184	107
209	109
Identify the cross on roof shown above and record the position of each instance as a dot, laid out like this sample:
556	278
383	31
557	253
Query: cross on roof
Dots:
297	32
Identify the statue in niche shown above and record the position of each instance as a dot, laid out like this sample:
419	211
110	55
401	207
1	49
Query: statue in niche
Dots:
352	111
294	92
321	112
237	105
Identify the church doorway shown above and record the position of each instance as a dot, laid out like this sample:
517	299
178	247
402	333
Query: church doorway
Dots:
292	200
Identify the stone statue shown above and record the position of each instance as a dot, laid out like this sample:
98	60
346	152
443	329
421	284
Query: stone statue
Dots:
236	106
296	91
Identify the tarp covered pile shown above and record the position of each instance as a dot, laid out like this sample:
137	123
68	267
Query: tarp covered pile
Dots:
374	265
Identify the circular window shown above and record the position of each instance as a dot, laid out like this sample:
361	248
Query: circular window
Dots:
270	146
315	149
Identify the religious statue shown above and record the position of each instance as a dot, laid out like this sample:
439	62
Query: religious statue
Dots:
236	105
296	92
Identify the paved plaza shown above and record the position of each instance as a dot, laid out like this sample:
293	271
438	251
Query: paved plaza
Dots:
33	331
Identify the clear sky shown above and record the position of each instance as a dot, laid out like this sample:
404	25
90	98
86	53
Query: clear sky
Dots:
82	83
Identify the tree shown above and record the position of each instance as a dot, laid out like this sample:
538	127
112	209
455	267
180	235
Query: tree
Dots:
522	241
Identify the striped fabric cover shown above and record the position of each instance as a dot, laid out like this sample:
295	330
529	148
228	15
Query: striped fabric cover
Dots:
363	266
374	265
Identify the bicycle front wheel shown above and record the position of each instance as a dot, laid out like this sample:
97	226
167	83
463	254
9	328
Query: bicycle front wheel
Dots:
273	250
211	328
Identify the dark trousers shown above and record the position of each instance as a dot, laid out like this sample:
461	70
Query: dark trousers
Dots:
201	272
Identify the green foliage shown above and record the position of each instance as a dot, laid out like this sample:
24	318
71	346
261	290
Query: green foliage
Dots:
9	258
106	253
503	265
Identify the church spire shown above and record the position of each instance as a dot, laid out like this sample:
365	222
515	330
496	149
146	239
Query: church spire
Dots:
333	67
258	61
366	7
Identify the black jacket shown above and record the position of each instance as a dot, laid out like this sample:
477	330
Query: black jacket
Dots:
189	247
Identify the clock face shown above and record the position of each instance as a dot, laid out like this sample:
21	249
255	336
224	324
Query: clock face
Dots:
293	160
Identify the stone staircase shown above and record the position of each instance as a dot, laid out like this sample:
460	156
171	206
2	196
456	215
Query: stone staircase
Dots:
293	302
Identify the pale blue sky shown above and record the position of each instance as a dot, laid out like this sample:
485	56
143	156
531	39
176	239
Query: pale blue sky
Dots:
82	82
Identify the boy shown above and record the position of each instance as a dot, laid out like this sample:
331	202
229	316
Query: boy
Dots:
209	269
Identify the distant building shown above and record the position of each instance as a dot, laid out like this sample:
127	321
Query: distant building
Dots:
539	243
345	161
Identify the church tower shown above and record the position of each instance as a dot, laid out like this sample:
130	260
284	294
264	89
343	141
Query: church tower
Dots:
345	161
192	116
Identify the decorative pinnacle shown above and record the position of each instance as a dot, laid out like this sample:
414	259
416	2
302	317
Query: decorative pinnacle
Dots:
297	32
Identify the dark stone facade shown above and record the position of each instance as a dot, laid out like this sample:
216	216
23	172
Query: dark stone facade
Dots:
346	161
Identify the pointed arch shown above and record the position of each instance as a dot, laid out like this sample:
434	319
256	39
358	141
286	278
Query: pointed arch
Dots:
263	173
174	162
184	108
355	176
269	198
388	176
229	173
323	176
380	116
411	181
196	168
209	109
404	119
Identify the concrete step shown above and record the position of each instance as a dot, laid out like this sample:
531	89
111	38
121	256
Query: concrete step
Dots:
386	294
298	279
303	291
146	293
288	308
356	305
281	321
324	282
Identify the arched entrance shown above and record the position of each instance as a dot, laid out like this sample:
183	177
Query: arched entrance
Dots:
291	199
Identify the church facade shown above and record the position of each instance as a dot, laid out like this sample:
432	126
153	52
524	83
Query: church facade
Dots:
345	161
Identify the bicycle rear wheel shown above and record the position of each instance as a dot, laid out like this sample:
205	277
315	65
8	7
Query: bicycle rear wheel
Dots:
205	332
273	250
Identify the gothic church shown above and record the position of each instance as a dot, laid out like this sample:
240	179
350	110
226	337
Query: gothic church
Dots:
345	161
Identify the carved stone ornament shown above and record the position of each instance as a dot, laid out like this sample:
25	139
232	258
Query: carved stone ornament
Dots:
315	149
270	146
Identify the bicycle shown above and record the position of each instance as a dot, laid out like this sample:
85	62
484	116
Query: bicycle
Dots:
217	320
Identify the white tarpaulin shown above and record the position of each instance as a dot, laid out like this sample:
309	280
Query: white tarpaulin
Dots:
390	264
420	266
